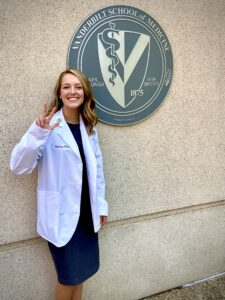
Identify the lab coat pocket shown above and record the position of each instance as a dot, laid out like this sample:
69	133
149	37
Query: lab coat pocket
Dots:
48	213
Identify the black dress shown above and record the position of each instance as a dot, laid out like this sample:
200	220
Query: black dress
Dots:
79	258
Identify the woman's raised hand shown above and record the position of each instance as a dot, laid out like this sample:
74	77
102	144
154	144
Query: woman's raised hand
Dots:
44	119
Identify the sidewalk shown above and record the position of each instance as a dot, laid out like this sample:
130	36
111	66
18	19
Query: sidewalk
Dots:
208	290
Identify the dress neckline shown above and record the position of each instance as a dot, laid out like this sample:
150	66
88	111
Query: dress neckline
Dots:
71	124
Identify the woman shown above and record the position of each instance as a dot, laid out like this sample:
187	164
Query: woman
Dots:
63	143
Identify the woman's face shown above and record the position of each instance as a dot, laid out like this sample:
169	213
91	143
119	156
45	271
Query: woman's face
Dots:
71	92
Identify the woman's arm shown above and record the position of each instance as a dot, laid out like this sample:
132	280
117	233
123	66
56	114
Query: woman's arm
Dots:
26	153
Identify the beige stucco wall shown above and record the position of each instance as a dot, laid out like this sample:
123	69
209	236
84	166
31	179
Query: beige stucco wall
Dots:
165	176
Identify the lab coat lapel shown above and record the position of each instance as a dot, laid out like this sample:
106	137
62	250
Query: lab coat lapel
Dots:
88	150
65	133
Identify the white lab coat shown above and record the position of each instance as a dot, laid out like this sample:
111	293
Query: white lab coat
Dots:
60	177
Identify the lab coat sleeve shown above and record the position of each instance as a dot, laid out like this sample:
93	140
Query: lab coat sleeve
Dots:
102	203
26	153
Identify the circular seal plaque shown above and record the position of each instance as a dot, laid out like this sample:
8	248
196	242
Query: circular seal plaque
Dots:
128	59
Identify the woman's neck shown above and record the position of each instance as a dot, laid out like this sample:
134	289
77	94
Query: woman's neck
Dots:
71	116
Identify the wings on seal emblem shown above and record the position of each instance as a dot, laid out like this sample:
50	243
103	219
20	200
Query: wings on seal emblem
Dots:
121	52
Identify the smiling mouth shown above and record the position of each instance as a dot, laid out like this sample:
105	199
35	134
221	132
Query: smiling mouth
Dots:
73	98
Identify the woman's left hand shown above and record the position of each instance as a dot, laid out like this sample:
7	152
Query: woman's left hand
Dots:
103	220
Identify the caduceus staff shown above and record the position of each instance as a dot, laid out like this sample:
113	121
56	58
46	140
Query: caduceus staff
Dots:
114	45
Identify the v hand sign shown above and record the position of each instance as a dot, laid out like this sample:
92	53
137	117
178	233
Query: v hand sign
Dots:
44	119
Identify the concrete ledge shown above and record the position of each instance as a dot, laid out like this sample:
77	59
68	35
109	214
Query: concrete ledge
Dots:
148	257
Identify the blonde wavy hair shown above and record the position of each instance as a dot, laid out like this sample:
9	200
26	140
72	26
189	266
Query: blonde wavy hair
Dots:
87	109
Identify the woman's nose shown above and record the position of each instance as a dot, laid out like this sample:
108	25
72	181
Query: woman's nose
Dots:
73	90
